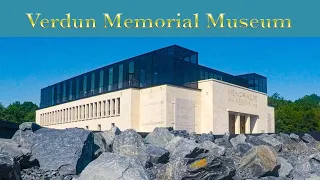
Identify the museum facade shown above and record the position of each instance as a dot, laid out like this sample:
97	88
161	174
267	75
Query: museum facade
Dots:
162	88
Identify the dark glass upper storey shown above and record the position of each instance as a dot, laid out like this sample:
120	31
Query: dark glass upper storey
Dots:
171	65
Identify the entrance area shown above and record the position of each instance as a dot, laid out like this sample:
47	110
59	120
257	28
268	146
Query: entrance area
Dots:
232	120
240	123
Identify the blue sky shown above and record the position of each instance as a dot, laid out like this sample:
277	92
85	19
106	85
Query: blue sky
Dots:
292	65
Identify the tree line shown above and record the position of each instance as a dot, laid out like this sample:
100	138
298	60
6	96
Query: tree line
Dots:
302	115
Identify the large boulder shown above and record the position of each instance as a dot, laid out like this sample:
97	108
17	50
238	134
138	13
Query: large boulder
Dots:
187	149
180	133
171	146
259	161
205	166
290	146
113	167
157	154
67	151
109	135
130	143
308	139
31	126
9	168
99	145
20	154
240	139
214	148
205	137
243	148
301	170
159	137
271	141
294	137
24	136
285	167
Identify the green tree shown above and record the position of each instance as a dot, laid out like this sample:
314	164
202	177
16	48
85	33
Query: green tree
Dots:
1	111
19	113
302	115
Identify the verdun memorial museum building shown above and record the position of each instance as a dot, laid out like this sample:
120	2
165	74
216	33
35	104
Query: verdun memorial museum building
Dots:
162	88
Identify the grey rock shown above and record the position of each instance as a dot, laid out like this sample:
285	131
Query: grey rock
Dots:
301	170
67	151
172	145
285	167
159	137
243	148
187	149
24	138
31	126
99	145
20	154
130	143
226	136
157	154
193	136
271	141
308	139
214	148
205	137
291	147
223	142
294	137
315	156
113	167
259	161
273	178
9	168
313	177
241	138
38	174
205	166
256	141
180	133
109	135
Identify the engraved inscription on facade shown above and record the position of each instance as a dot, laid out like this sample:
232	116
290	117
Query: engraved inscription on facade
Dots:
242	98
184	114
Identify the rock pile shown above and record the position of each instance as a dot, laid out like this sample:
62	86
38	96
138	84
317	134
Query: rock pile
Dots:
37	153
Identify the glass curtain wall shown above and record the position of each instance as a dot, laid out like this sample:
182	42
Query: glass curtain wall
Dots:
172	65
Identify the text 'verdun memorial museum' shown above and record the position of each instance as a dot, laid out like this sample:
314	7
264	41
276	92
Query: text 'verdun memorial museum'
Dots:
162	88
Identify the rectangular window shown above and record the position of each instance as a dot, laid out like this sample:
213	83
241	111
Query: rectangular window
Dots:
87	111
108	106
64	91
101	81
120	76
77	112
118	103
70	90
92	83
113	106
77	87
91	110
104	108
95	110
194	59
110	79
99	109
142	78
131	67
85	85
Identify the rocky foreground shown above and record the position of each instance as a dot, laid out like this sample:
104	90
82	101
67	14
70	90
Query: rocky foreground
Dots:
41	153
